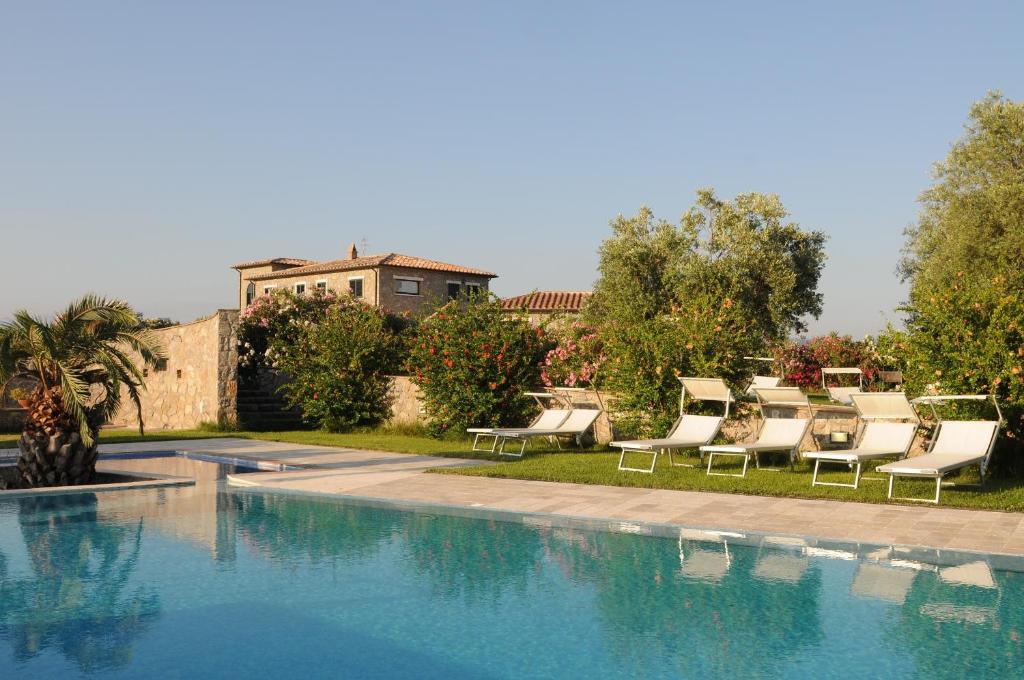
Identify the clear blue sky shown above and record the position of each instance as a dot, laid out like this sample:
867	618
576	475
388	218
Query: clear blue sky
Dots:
145	147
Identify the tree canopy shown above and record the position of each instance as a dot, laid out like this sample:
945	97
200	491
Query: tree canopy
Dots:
965	313
696	297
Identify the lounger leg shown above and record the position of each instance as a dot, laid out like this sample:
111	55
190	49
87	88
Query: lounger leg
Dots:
938	490
746	460
856	475
622	461
711	459
475	440
673	463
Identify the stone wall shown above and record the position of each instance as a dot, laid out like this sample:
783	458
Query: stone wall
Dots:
198	382
407	407
740	427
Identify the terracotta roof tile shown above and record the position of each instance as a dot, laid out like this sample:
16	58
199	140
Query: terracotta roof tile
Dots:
548	301
388	259
290	261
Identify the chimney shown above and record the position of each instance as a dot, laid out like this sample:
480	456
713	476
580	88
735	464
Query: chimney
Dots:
352	252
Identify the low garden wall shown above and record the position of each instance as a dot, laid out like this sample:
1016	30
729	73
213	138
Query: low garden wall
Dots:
197	383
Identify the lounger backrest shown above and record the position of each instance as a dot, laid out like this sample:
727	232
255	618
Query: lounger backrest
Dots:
883	406
707	389
550	418
967	438
786	432
579	420
693	428
763	381
781	396
895	437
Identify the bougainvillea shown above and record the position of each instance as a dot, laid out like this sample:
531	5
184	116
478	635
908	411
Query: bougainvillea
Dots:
272	320
576	359
473	362
804	359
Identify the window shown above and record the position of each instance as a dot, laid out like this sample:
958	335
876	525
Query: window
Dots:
300	288
321	285
266	291
160	365
454	289
407	287
355	287
250	293
472	289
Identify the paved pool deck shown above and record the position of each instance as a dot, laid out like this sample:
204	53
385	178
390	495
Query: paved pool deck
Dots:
396	477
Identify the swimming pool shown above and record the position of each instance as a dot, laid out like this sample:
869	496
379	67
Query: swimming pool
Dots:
210	581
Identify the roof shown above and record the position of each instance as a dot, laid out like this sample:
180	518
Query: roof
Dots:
548	301
370	261
289	261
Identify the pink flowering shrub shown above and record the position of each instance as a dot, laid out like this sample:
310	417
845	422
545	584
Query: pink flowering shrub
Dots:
575	360
804	359
336	352
275	319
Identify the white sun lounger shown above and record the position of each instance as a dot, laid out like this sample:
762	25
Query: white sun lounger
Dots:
705	389
839	393
689	432
575	425
955	445
761	381
878	439
764	381
549	419
776	435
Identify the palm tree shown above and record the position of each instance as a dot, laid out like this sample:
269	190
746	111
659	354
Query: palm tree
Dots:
79	363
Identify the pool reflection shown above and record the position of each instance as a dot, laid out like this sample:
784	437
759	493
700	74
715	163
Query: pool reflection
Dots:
702	604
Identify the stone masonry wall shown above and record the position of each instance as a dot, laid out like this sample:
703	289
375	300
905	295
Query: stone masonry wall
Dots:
198	383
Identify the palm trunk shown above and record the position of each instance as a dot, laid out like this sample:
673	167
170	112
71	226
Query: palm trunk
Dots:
52	452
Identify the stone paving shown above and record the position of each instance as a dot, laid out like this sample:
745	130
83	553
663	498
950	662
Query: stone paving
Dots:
399	477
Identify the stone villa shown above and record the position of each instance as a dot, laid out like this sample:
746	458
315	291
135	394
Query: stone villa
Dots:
399	283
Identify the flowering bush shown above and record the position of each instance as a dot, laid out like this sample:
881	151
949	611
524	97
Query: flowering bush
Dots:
705	339
472	363
273	320
575	360
970	340
337	353
804	359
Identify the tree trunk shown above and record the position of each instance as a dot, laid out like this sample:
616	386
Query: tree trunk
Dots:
60	459
52	451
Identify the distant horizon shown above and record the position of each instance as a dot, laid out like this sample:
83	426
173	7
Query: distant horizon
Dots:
146	149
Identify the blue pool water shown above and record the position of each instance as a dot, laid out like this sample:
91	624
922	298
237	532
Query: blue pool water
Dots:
207	581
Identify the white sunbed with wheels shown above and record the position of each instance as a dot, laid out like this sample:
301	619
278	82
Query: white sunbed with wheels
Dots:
575	425
879	437
549	418
956	444
776	435
689	432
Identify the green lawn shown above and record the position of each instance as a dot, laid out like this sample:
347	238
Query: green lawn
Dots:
599	466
